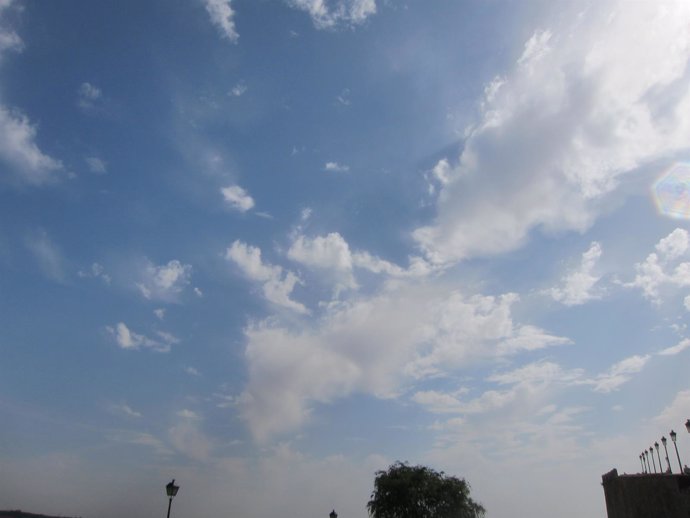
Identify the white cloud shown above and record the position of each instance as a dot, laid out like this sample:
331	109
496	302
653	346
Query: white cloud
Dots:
96	165
673	350
95	272
327	14
676	412
619	373
125	410
192	371
19	150
165	282
238	90
128	339
9	40
577	286
187	414
23	159
237	197
87	95
160	313
336	167
530	382
374	345
560	130
223	16
332	253
660	269
198	292
47	255
277	286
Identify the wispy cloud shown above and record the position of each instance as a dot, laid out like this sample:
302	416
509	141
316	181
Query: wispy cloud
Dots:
96	165
128	339
96	271
88	95
47	255
223	17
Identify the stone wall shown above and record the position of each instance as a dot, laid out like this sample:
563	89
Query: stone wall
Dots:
647	495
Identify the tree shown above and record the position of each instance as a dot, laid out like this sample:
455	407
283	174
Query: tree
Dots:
404	491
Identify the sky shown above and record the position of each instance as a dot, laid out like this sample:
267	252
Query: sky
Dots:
269	247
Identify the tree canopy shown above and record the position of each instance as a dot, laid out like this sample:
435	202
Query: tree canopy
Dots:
404	491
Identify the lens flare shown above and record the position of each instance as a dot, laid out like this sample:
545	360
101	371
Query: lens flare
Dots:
672	192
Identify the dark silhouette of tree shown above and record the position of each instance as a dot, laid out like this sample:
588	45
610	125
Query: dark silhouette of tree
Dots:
404	491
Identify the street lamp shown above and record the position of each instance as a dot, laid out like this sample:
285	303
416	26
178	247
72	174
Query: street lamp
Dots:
673	438
656	446
641	463
333	514
171	490
668	463
653	463
651	452
687	425
644	460
649	464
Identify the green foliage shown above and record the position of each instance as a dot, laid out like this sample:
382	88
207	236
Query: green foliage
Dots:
405	491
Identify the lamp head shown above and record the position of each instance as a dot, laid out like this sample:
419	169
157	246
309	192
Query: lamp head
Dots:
333	514
687	425
673	436
171	489
663	440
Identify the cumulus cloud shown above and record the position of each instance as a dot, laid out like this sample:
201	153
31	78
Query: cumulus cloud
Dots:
330	13
577	286
559	131
277	284
332	253
164	282
661	269
374	345
237	197
128	339
223	17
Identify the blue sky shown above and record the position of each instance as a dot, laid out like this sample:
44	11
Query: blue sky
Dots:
269	247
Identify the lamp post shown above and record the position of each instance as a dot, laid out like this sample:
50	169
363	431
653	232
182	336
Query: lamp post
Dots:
644	460
656	447
171	490
649	464
668	463
333	514
651	453
641	463
673	438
